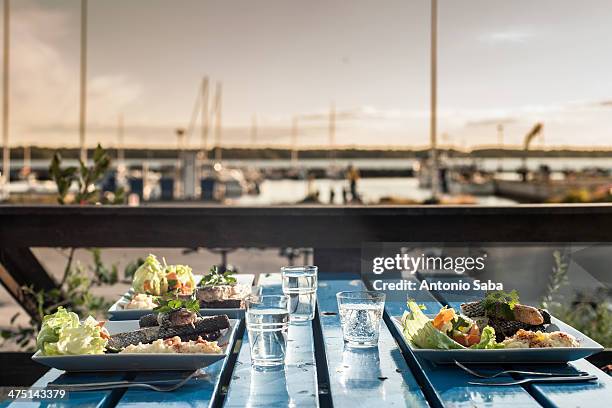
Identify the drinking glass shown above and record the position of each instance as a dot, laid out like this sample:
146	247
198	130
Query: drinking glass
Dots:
300	284
267	322
360	314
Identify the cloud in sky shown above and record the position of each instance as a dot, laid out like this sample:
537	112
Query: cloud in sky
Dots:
375	67
512	36
44	83
491	121
362	125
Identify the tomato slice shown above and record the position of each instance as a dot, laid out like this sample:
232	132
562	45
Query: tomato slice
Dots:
473	336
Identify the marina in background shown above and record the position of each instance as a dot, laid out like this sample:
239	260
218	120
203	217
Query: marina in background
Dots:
252	181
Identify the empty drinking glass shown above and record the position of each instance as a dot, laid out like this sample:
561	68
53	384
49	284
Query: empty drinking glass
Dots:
300	284
360	314
267	322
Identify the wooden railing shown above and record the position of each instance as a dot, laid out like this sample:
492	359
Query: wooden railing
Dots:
335	233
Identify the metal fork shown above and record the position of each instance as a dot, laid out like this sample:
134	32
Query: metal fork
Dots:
479	375
125	384
580	378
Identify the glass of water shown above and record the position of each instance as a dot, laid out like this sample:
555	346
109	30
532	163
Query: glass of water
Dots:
360	314
267	322
300	284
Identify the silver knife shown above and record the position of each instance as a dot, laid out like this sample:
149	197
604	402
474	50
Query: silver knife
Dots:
580	378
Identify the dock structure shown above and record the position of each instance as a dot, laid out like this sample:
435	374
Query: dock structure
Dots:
545	191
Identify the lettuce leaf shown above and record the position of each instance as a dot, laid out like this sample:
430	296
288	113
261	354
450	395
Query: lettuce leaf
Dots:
150	277
419	330
184	277
84	339
62	333
487	340
52	325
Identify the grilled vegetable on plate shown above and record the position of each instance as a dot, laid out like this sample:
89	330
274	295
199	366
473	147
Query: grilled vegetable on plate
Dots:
178	342
222	291
495	329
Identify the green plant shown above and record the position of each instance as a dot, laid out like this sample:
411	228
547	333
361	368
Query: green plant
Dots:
131	268
75	294
557	279
592	319
103	274
74	291
85	178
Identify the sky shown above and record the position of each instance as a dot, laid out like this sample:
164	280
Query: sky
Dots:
511	63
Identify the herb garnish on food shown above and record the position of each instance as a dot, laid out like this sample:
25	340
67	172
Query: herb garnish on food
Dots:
171	304
215	278
501	302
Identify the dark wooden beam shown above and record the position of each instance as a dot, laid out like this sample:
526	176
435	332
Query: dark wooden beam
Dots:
317	227
16	292
19	268
336	233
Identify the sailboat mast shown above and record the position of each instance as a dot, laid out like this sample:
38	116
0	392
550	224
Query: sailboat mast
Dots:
253	130
6	151
294	137
205	119
500	144
120	145
218	116
435	178
332	131
83	83
27	160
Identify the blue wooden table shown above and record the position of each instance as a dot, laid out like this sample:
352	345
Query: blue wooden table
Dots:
320	371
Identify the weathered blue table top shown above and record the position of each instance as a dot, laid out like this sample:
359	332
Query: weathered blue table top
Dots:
321	371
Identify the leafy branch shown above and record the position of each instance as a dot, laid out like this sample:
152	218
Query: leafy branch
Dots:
557	280
592	318
85	178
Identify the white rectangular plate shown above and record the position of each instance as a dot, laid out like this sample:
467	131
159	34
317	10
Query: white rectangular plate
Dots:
139	362
117	312
534	355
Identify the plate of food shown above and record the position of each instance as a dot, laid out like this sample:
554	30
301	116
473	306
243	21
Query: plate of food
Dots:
496	329
225	290
155	279
178	340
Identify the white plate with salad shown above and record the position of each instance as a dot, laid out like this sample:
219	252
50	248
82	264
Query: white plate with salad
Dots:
525	334
154	278
66	343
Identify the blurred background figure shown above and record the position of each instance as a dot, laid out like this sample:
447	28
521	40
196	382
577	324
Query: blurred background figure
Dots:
352	175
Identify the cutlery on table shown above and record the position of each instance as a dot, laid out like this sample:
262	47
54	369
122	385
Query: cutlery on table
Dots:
538	373
576	379
126	384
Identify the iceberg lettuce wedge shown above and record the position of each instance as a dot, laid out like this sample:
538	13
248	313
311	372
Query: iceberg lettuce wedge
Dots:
418	329
150	277
62	333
